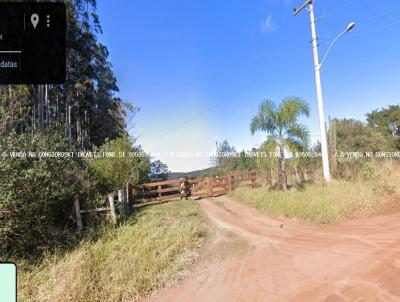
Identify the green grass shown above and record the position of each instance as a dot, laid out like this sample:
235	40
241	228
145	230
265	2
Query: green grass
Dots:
318	203
154	248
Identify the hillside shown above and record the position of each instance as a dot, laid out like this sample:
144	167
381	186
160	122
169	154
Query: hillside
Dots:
191	174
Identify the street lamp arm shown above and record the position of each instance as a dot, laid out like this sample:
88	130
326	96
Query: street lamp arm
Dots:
330	46
348	28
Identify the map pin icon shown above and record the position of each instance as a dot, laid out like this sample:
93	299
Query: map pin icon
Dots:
35	20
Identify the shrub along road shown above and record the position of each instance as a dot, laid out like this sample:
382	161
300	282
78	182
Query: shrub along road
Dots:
296	261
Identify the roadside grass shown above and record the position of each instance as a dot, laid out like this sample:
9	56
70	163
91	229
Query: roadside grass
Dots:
154	248
322	203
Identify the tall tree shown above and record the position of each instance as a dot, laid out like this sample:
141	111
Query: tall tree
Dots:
158	171
225	159
284	131
86	105
386	121
356	136
246	161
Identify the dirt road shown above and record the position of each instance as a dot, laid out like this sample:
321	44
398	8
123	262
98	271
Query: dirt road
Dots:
296	261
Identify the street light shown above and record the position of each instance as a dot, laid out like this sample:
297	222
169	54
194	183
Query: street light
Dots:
348	28
317	67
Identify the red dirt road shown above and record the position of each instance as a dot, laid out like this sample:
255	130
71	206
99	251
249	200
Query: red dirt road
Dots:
355	261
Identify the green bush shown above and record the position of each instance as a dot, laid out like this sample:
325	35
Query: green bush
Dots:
367	173
36	194
129	162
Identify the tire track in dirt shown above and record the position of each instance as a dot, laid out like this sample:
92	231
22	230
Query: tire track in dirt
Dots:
296	261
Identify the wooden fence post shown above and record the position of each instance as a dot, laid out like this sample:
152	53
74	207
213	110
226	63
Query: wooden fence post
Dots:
232	182
209	185
112	209
182	189
253	179
121	201
78	214
129	199
159	192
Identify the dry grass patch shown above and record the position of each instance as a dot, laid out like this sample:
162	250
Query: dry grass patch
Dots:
154	248
219	203
319	203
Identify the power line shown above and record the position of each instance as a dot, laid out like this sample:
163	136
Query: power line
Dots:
376	28
179	126
366	6
337	9
368	20
380	49
361	23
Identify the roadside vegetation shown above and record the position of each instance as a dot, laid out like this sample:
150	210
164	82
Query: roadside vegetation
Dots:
283	129
82	116
334	202
155	247
291	185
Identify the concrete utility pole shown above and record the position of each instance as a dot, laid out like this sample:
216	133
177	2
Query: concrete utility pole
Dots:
322	130
317	67
324	144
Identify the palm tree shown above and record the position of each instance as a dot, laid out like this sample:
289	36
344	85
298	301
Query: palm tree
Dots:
284	131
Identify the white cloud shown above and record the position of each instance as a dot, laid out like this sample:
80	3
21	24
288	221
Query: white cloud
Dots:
268	25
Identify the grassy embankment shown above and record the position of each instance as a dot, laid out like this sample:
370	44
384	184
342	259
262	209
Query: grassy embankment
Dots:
325	203
155	247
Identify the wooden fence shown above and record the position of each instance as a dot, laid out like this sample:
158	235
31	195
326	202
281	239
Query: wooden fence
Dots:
167	190
122	204
195	188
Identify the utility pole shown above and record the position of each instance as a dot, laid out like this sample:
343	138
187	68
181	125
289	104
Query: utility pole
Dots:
317	67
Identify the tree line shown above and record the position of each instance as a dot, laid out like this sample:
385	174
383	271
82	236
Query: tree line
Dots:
85	108
84	113
285	137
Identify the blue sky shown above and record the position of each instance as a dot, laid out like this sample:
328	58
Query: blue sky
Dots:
199	69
